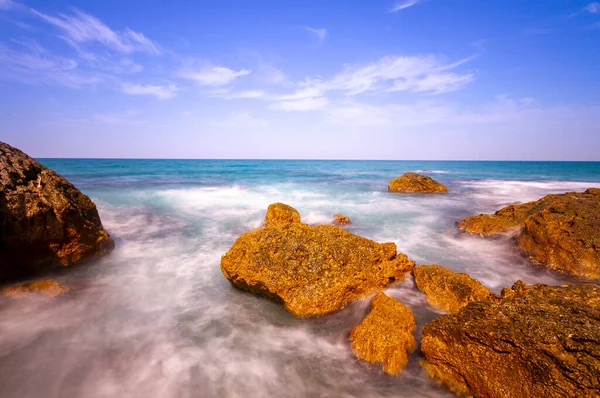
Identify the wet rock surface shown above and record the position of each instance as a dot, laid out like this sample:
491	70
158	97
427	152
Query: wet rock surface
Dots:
385	335
416	183
560	232
446	289
45	222
312	270
532	341
48	288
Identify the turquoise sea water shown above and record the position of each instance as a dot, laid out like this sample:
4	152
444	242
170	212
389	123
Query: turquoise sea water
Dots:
156	318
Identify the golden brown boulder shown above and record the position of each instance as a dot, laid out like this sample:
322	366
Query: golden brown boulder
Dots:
312	270
45	221
281	214
416	183
447	289
385	335
48	288
340	219
533	341
560	232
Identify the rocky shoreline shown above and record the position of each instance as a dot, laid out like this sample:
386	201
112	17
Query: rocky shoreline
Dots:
530	340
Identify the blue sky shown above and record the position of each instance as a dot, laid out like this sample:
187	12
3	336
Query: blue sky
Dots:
311	79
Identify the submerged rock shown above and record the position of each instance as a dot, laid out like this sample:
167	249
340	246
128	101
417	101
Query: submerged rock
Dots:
45	221
48	288
313	270
447	289
533	341
340	219
385	335
560	232
416	183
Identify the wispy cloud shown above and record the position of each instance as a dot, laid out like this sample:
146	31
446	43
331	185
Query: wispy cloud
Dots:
227	93
305	104
419	74
320	34
403	4
160	92
33	64
80	28
593	8
211	75
128	118
6	4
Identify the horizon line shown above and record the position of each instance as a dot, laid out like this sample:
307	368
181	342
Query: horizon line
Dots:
326	160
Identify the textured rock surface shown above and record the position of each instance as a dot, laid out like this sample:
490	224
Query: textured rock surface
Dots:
340	219
534	341
447	289
416	183
385	335
560	232
45	221
312	270
281	214
48	288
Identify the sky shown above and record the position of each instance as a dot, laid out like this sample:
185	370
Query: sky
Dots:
302	79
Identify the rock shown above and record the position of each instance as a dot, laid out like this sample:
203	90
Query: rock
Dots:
385	335
534	341
312	270
447	289
45	221
281	214
48	288
416	183
340	219
560	232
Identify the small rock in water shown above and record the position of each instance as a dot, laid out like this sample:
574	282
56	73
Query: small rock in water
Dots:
416	183
48	288
533	341
447	289
385	335
340	219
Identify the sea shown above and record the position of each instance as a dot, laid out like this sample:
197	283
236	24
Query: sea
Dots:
156	317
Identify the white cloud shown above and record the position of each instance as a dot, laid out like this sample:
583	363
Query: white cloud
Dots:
593	8
306	104
160	92
403	4
212	75
244	94
80	28
320	34
421	74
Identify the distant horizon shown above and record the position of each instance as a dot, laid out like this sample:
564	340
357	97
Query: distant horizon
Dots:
302	79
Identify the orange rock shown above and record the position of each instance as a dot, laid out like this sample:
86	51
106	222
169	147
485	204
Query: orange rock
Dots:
416	183
312	270
533	341
385	335
559	232
340	219
281	214
48	288
447	289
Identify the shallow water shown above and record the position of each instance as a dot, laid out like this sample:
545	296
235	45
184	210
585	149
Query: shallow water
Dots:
156	318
